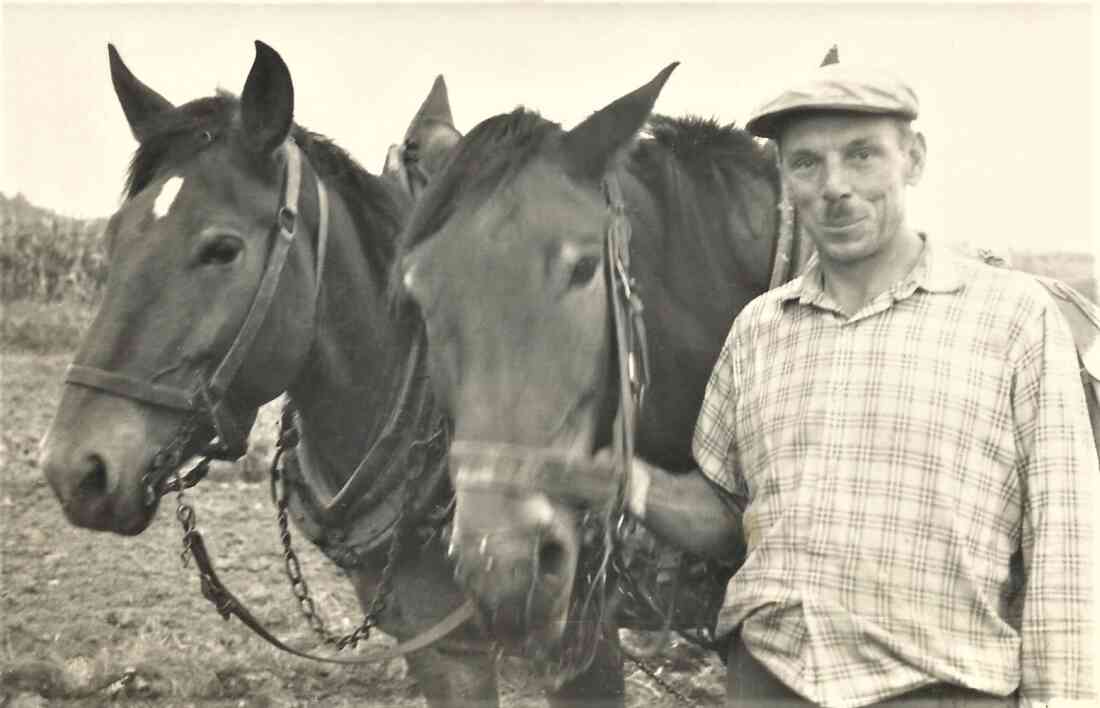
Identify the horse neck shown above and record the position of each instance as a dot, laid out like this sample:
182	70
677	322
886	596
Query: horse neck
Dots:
346	389
702	250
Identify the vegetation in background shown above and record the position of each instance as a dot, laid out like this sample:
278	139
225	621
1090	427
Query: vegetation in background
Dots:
52	270
47	257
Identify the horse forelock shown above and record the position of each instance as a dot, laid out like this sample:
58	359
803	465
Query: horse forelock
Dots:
177	136
484	159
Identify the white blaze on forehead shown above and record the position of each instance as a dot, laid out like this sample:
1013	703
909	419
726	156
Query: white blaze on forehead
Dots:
168	193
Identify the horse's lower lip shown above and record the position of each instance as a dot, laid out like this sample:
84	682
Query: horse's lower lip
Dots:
101	516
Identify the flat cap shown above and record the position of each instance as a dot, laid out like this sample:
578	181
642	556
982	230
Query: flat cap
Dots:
836	87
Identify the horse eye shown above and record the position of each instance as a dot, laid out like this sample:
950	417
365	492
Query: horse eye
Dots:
222	250
584	270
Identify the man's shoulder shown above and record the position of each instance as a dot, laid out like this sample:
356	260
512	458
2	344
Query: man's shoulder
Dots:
987	284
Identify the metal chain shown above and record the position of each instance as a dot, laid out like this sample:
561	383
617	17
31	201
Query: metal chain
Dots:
167	460
652	674
185	514
288	440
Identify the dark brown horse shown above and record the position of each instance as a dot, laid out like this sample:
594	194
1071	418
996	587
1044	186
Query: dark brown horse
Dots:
505	256
221	192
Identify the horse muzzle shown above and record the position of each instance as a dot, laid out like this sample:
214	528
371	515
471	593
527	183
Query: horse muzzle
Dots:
97	476
515	549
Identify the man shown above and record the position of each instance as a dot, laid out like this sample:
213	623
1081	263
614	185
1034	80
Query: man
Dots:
900	438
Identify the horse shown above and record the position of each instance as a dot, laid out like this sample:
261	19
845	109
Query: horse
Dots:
505	256
251	257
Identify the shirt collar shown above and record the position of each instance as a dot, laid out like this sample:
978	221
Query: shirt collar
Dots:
935	272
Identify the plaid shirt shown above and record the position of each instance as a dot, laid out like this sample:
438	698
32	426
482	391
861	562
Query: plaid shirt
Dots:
916	487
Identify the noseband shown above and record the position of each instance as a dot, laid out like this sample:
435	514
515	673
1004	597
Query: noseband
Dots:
207	400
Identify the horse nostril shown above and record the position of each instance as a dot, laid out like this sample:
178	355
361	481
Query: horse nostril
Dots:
93	481
551	557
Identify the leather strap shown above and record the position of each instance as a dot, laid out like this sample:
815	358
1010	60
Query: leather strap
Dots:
364	476
229	605
626	308
234	440
322	236
129	387
554	472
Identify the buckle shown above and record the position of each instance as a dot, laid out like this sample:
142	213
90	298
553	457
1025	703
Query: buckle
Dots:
288	220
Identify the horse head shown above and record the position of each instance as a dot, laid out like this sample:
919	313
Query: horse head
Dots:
209	303
504	256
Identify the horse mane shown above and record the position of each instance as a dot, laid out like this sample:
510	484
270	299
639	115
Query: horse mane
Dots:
379	210
177	136
701	175
486	157
701	144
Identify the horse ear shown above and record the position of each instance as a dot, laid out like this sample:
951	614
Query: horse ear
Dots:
139	102
435	108
267	101
590	146
432	130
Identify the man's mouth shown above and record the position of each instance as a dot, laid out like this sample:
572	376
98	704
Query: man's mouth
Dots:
843	223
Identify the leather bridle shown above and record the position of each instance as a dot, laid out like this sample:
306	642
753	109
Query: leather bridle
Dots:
207	400
542	469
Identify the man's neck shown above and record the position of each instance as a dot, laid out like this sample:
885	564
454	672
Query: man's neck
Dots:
853	285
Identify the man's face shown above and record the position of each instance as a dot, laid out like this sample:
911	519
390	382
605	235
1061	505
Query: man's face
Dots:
846	174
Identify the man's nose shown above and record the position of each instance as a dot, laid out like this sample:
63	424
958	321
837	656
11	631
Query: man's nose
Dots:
837	184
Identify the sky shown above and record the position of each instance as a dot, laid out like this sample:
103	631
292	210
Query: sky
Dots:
1008	97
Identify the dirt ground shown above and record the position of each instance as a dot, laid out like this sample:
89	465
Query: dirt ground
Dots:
89	619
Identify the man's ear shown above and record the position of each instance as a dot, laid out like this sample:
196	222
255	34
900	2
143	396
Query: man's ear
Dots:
918	157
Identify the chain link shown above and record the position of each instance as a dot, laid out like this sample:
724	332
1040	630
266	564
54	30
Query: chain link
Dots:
288	440
653	676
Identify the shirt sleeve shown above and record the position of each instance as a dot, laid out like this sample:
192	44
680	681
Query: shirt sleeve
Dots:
715	443
1058	467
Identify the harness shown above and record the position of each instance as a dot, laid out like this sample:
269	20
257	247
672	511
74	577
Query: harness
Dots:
206	403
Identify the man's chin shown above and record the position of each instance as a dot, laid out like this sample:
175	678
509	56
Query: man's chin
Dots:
845	251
